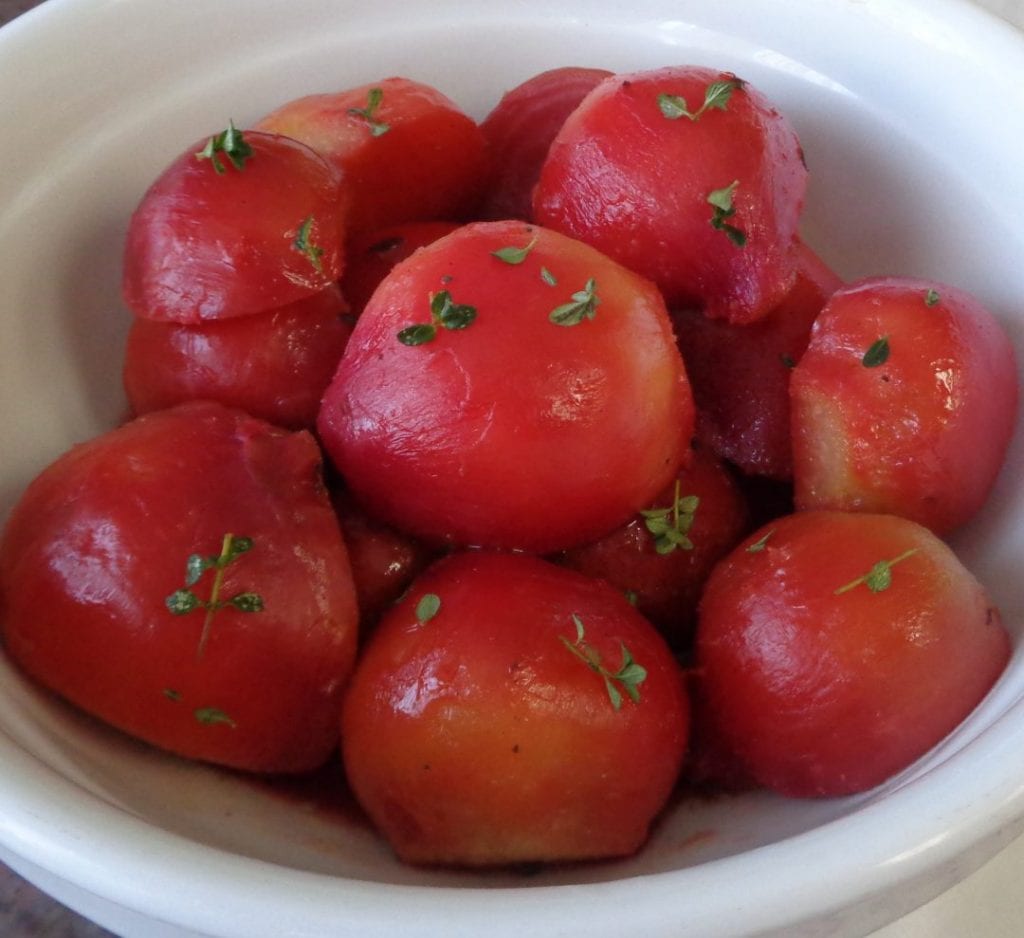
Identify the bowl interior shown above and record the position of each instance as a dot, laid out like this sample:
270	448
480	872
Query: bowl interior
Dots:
904	180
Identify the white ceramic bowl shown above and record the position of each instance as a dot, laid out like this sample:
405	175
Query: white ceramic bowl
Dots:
912	117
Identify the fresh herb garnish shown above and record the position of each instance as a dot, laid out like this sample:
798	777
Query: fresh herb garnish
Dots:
673	106
231	144
206	715
582	305
879	577
629	676
444	314
716	95
212	715
369	113
513	255
183	601
548	277
427	607
448	314
671	526
760	544
931	297
721	201
877	354
303	245
417	334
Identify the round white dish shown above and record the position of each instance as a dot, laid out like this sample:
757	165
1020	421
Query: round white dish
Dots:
911	113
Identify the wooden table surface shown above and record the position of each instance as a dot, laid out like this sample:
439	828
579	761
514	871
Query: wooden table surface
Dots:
12	8
25	912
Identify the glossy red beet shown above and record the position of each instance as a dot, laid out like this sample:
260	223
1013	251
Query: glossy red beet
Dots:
474	733
904	402
370	257
519	131
274	365
665	573
740	373
836	648
513	430
384	561
705	205
96	551
206	245
406	151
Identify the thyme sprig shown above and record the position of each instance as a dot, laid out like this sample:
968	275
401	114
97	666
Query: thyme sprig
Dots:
185	600
627	679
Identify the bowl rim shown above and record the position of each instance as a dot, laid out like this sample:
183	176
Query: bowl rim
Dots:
907	845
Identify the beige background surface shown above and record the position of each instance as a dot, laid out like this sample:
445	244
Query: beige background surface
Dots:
977	908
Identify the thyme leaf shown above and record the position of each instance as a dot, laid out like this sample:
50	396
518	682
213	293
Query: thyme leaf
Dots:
582	305
877	354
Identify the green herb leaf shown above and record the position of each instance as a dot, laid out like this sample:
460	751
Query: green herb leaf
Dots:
931	298
247	602
182	601
548	277
172	694
418	334
306	247
583	305
613	692
718	93
448	314
630	675
760	544
879	577
239	545
513	255
877	354
627	678
670	526
688	504
196	566
673	106
721	200
231	144
428	607
368	113
210	716
578	622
